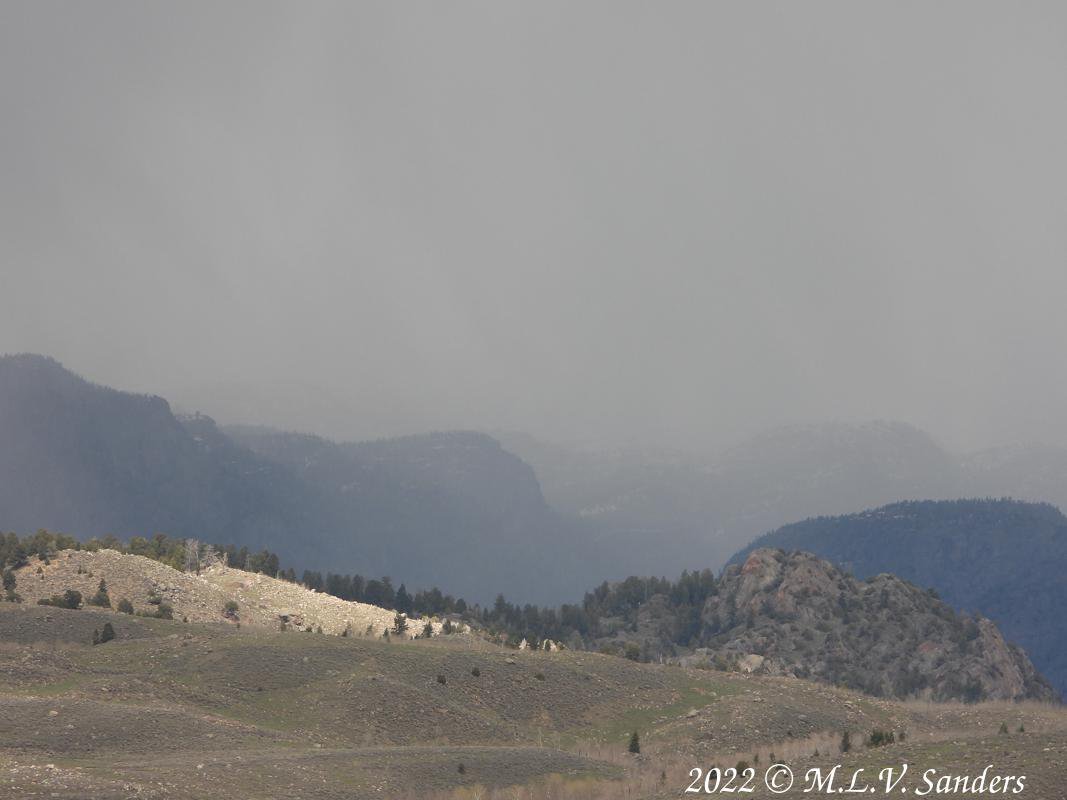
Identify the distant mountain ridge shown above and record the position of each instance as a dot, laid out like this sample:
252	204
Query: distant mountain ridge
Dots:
1002	558
701	510
455	499
450	509
91	460
461	510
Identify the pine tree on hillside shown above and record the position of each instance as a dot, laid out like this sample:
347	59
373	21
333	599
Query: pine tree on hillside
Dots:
101	598
402	602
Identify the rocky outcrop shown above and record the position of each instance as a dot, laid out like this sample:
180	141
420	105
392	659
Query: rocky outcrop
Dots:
795	614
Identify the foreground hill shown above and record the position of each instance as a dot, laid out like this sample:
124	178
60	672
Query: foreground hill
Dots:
1004	559
173	710
454	510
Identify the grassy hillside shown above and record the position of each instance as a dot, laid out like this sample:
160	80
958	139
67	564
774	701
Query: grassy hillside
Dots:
192	710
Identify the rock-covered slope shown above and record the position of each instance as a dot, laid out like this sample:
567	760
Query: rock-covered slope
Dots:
261	600
1002	558
793	613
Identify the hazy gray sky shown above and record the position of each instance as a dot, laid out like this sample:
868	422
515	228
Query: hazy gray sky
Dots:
665	222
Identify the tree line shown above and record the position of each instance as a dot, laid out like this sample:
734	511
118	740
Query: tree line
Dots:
604	611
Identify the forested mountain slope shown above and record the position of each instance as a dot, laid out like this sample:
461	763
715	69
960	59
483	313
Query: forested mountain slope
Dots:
1002	558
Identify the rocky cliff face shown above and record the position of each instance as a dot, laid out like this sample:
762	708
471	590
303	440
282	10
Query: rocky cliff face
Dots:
1005	559
794	614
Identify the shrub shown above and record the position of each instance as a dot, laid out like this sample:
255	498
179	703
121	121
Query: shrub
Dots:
741	766
441	680
880	738
101	597
230	609
9	581
427	630
635	743
165	611
476	672
1004	728
539	675
846	742
125	606
69	599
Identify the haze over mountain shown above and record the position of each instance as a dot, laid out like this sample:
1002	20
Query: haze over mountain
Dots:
446	509
714	505
457	509
612	223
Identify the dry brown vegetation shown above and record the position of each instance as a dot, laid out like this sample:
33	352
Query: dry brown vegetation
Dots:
176	710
